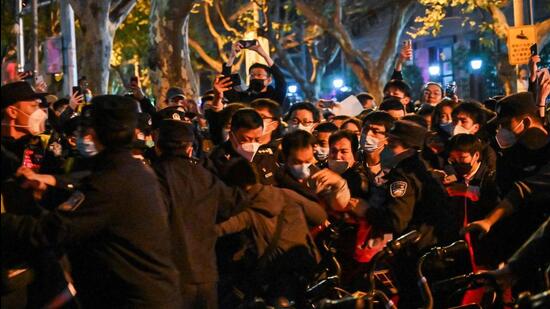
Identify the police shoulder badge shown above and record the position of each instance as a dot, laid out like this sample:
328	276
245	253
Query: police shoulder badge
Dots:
73	202
398	188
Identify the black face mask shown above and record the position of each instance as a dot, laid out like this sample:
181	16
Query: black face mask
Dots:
462	168
256	85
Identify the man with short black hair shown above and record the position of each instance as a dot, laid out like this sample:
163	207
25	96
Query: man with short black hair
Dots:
432	94
115	227
244	141
367	100
411	201
401	90
394	107
271	116
301	175
473	191
374	136
303	116
261	76
470	117
522	171
321	150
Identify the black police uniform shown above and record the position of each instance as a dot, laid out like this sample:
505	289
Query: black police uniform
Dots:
414	200
31	279
196	200
118	238
264	160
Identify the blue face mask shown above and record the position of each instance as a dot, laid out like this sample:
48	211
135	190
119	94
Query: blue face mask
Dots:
447	127
86	147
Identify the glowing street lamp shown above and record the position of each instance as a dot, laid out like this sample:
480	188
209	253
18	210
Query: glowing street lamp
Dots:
434	70
476	64
292	89
338	83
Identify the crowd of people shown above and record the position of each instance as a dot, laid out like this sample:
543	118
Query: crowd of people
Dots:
111	201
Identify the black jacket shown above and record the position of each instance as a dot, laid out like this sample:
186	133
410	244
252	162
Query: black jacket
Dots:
277	93
196	200
261	219
414	199
118	238
264	161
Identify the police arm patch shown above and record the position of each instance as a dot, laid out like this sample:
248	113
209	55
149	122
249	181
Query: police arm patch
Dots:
398	188
74	201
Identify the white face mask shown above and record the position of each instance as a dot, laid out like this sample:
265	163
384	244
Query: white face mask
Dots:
338	166
308	128
300	171
321	153
295	127
37	121
248	150
225	135
458	129
266	122
372	144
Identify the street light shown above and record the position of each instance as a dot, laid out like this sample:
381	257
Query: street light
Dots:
345	89
434	70
476	64
338	83
292	89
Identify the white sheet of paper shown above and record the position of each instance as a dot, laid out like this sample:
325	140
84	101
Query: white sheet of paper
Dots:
350	106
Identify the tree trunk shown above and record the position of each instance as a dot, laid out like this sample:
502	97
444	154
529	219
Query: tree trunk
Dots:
169	58
98	22
370	71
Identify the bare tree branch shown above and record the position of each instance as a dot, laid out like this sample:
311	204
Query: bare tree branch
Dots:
224	20
217	37
399	22
337	12
500	23
543	33
213	63
120	10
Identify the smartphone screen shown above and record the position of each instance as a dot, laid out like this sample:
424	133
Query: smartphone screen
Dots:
235	79
39	79
247	43
534	49
76	89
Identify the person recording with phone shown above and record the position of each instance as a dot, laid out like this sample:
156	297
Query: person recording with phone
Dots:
261	76
135	91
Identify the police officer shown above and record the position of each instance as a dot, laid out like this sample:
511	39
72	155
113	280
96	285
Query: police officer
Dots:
196	200
413	200
413	196
115	227
32	280
244	142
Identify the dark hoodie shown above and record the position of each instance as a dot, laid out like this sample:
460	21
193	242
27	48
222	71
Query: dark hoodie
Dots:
260	219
